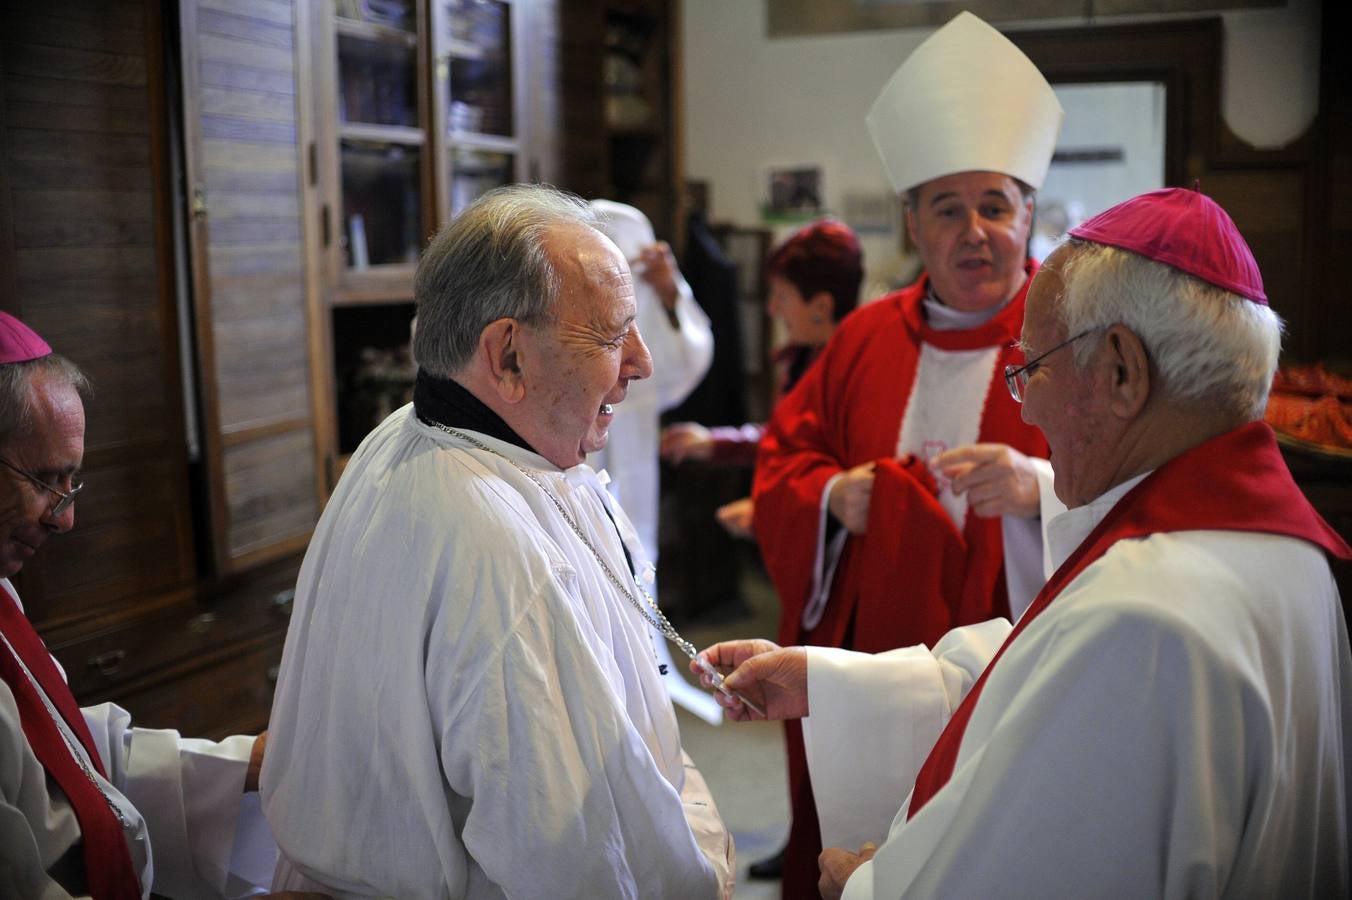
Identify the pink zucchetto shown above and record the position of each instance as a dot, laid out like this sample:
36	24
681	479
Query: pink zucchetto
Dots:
1183	229
18	342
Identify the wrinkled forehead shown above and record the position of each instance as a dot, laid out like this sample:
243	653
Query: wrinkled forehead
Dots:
593	276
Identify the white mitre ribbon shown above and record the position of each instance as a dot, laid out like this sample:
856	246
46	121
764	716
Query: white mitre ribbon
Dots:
965	100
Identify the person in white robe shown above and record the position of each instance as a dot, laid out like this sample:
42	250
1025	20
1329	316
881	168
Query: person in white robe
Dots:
469	703
1172	717
681	344
173	813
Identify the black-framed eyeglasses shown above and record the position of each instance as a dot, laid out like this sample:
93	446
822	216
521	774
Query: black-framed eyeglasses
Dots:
63	499
1016	377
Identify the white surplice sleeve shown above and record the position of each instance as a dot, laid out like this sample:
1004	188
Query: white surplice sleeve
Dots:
681	355
874	719
567	799
208	837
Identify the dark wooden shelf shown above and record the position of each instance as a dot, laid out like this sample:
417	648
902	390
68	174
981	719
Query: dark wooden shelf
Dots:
371	31
382	134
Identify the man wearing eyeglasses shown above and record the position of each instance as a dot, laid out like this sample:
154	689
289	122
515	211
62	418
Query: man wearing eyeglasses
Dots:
82	792
901	494
1172	716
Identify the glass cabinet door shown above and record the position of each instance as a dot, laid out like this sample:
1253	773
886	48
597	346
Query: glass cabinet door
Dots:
382	138
480	53
480	121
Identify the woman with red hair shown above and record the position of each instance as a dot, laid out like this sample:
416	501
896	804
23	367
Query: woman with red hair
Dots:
814	279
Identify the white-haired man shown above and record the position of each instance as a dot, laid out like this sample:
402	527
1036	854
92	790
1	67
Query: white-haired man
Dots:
1172	716
469	702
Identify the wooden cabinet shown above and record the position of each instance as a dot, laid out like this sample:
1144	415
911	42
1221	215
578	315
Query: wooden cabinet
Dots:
420	109
244	138
619	81
137	596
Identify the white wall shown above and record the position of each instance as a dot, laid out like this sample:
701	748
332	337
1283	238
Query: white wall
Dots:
752	102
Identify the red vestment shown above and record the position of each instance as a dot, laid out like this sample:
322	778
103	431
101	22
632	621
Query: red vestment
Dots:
847	410
108	866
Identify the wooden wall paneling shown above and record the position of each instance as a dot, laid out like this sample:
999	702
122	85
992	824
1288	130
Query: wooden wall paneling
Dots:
253	275
8	298
87	257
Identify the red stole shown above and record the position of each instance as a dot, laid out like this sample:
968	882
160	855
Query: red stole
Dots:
1236	481
108	867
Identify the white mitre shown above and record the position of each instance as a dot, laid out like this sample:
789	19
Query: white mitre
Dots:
965	100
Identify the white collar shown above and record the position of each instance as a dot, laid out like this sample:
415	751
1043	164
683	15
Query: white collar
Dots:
1068	530
575	475
946	318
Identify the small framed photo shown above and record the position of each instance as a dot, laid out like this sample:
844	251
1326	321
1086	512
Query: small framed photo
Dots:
793	193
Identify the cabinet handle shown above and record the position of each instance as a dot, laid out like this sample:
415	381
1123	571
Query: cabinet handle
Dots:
107	663
281	601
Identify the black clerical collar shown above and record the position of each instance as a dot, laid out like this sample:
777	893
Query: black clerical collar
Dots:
446	402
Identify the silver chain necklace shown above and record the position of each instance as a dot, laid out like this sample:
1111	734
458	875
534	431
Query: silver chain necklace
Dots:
657	619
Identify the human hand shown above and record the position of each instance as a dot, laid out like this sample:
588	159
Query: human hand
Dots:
997	479
255	763
850	498
771	676
685	440
736	517
837	866
657	267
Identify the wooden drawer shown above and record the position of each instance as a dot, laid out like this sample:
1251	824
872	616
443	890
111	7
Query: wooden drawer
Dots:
122	654
231	696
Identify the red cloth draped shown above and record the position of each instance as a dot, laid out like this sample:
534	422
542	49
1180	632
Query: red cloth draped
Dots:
1236	481
108	866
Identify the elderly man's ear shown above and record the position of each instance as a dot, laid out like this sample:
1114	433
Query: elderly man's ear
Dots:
1129	376
500	356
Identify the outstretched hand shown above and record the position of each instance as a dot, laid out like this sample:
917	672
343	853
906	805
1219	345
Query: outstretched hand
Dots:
255	768
772	677
685	440
997	479
737	517
656	265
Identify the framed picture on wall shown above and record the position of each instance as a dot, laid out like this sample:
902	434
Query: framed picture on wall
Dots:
792	193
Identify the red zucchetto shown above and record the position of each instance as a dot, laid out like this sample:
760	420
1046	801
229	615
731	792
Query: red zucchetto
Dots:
1183	229
18	342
